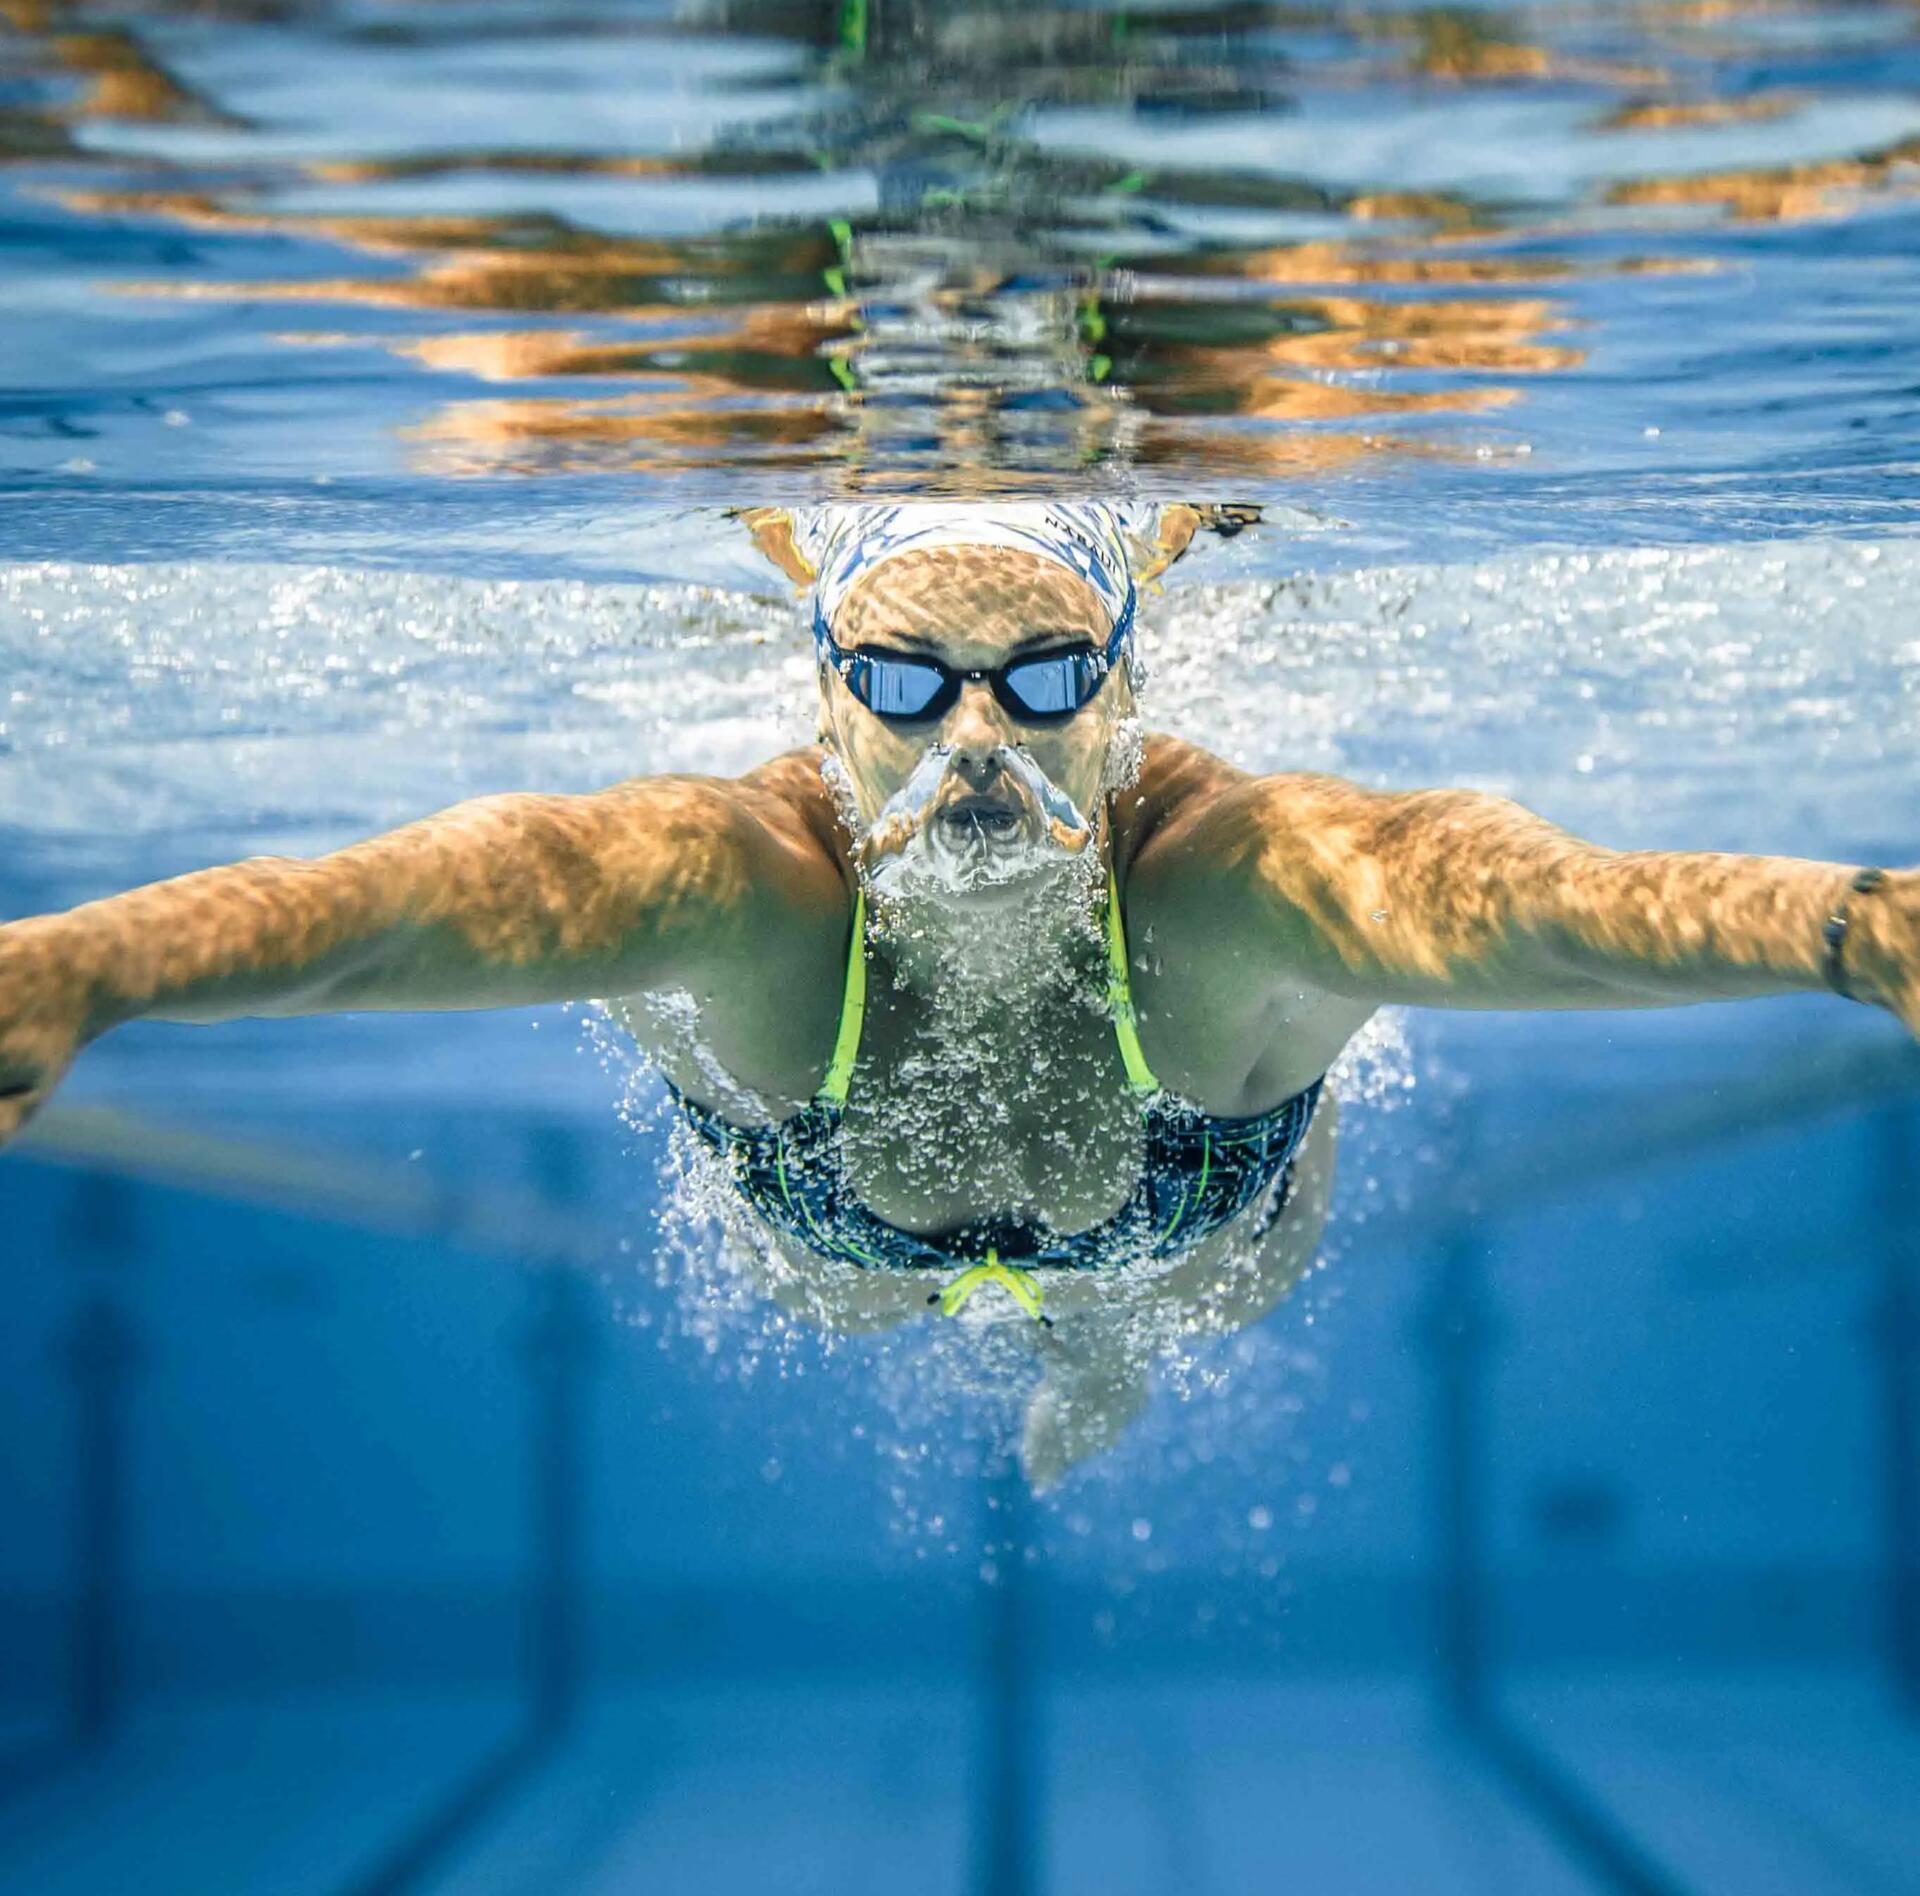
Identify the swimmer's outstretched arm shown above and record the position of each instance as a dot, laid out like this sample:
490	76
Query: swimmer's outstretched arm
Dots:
1457	898
504	901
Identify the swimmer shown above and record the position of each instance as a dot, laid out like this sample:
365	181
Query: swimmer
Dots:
1001	1009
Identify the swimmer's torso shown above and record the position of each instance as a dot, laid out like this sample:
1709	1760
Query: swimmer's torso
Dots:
1032	1117
1028	1113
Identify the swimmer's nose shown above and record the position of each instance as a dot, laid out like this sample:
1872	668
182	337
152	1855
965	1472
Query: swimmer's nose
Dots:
977	731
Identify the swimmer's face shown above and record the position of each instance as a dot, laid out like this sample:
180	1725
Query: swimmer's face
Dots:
974	608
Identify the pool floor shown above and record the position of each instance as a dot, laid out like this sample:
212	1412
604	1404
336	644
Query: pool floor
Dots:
1779	1783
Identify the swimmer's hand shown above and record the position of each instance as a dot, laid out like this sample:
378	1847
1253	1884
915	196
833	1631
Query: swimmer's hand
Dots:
43	1019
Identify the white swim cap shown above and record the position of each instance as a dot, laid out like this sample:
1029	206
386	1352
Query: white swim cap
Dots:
843	544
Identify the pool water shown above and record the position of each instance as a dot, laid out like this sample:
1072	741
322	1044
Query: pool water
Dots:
385	1504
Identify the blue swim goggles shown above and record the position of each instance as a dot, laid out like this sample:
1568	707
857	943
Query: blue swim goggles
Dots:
1045	687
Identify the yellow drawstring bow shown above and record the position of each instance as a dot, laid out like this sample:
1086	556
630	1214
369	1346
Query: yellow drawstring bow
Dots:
1020	1285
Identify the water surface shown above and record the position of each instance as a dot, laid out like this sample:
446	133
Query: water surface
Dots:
507	285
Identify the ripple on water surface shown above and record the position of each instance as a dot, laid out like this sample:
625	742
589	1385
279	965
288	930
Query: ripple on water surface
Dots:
458	285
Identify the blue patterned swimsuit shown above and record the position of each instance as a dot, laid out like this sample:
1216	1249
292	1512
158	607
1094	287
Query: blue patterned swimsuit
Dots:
1199	1172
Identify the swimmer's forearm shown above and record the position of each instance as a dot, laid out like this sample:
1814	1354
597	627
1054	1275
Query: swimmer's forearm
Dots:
1461	899
499	902
1661	927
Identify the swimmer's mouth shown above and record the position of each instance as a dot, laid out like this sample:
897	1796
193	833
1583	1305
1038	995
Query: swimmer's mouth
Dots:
989	818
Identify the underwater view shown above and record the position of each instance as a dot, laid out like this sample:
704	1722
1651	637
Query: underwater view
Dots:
960	947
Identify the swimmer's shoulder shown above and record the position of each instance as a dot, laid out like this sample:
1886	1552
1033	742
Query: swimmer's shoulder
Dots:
1176	778
1231	998
761	858
792	788
767	986
1186	797
780	814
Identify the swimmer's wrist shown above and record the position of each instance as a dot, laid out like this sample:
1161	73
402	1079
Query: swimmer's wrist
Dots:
1858	958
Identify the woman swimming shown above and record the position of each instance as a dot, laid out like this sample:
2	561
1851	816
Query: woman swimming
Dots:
1000	1003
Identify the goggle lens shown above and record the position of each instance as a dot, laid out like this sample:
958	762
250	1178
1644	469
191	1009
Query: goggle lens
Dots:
1053	687
896	687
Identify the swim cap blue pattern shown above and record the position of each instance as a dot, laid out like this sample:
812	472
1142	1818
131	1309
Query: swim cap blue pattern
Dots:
843	544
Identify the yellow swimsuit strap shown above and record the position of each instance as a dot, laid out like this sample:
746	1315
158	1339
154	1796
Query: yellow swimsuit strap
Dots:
853	1004
853	1011
1120	996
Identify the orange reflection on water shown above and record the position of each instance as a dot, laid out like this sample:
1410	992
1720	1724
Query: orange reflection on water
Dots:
701	427
126	82
1666	115
1463	45
383	236
1782	193
1331	261
506	262
968	323
1217	384
1445	212
616	280
567	164
1279	454
781	347
1471	334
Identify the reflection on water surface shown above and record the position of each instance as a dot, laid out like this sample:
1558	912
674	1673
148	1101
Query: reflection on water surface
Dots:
890	247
